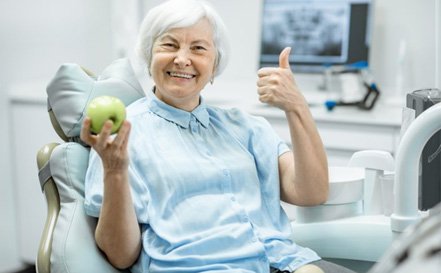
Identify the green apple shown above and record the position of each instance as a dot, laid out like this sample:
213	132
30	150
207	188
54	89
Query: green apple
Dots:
103	108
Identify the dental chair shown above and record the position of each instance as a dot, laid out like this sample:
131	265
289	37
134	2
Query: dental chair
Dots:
67	243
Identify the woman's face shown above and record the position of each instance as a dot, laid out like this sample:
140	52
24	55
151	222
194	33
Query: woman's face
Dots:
183	63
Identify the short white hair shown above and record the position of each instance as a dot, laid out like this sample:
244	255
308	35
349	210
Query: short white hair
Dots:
177	14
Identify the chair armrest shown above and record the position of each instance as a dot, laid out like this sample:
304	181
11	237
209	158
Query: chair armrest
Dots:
53	207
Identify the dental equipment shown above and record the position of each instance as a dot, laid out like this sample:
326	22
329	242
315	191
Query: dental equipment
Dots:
408	155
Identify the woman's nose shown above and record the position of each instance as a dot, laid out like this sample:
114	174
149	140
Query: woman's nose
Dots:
182	58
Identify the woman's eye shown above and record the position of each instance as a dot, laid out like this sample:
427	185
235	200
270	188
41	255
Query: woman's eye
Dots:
199	48
169	45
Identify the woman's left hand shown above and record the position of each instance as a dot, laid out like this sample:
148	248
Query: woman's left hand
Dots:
277	86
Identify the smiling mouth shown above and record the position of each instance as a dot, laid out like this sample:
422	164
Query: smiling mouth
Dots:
181	75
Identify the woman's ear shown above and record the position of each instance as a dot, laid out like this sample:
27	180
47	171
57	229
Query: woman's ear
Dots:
149	69
213	73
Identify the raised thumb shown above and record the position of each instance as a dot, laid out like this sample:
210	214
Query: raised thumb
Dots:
284	58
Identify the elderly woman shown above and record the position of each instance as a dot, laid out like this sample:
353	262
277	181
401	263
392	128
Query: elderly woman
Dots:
187	187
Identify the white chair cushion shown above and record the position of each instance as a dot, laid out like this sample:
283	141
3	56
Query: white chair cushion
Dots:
73	244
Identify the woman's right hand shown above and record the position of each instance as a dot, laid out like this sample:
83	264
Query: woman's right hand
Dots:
117	232
112	150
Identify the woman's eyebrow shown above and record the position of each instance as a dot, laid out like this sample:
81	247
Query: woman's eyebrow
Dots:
201	41
167	36
175	40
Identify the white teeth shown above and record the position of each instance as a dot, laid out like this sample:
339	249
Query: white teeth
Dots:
181	75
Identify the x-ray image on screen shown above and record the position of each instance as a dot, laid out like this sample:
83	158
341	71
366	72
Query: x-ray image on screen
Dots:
319	32
315	32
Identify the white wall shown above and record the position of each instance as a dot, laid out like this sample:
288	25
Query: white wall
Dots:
39	35
36	37
414	23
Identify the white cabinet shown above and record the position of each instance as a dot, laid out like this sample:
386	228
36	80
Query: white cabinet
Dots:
30	130
348	130
9	258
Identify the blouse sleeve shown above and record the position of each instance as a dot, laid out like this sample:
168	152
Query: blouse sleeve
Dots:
266	147
94	189
257	133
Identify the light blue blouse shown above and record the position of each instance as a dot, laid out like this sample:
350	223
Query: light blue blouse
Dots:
205	188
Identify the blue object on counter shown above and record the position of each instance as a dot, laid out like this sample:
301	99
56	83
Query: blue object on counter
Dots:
330	104
359	65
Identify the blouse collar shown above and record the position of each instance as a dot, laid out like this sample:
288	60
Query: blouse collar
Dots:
176	115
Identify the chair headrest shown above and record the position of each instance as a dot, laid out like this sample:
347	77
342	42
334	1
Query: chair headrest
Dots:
73	87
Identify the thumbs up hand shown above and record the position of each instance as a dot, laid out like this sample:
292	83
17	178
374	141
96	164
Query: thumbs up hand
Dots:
284	58
277	86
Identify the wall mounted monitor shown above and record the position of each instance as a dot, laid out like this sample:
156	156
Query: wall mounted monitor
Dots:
321	32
